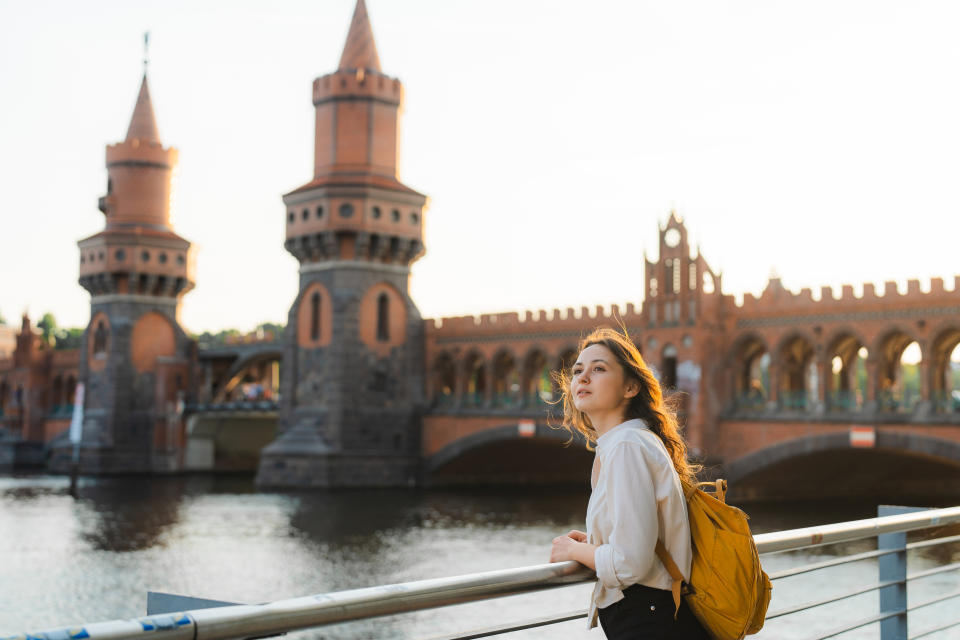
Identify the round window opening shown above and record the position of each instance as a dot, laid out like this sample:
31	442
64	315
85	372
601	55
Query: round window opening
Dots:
162	258
414	217
346	210
145	256
395	215
120	254
376	213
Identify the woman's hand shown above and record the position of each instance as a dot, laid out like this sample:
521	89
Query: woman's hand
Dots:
572	546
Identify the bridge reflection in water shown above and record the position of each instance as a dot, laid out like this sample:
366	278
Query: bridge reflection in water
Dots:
94	558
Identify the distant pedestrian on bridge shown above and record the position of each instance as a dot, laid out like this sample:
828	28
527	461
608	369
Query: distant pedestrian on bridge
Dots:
611	397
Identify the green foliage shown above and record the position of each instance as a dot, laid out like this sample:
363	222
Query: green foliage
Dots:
272	327
68	338
3	320
208	339
48	326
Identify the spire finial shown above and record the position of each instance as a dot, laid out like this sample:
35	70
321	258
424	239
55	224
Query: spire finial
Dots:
360	50
146	51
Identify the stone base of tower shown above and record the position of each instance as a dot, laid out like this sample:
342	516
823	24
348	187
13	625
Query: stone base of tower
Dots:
19	454
137	451
300	459
112	461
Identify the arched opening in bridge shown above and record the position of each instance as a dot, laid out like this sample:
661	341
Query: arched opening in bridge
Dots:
257	380
71	392
475	371
564	364
444	380
798	375
898	380
847	379
57	394
668	368
506	380
537	384
945	371
503	456
4	394
752	383
843	473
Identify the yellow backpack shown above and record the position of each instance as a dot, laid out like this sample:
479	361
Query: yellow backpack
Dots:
728	591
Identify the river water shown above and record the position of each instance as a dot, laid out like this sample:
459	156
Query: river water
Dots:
65	561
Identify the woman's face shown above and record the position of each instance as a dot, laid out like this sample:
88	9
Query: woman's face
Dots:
598	384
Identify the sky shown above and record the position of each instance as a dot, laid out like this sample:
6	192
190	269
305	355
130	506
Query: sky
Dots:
816	140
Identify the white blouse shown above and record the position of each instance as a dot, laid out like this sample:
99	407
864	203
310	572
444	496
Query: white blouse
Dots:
637	498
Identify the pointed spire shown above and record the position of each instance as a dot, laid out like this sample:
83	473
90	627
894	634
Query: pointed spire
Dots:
143	125
360	51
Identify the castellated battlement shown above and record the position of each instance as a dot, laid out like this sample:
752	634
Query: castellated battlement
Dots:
142	151
532	321
359	83
776	297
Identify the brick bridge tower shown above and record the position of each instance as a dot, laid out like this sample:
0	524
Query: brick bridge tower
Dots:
134	360
352	376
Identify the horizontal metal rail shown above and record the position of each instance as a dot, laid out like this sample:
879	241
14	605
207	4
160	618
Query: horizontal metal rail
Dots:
515	626
938	629
311	611
854	530
843	596
861	623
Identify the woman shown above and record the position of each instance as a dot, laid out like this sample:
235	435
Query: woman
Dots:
611	397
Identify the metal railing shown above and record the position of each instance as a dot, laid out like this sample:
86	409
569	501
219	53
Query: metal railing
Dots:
248	621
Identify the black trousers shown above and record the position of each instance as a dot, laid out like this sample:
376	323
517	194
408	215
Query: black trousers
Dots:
646	613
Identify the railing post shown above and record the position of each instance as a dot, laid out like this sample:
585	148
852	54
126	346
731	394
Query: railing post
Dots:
893	566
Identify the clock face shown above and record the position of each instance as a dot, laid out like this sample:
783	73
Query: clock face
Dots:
672	237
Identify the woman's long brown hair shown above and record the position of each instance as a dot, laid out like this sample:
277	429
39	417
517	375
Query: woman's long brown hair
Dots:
649	404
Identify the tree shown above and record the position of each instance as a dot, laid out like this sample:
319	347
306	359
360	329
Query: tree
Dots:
68	338
48	325
2	319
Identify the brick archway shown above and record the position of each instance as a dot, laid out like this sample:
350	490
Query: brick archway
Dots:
540	455
752	475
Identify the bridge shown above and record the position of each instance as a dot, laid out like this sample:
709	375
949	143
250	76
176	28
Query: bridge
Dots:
786	395
235	414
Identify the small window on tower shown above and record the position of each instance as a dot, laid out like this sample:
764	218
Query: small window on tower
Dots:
181	260
100	338
315	316
395	215
290	217
676	275
346	210
693	276
319	212
145	256
383	318
653	287
306	214
414	217
120	254
376	213
162	258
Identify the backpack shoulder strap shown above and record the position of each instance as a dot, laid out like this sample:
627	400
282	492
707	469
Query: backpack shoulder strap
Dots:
674	572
